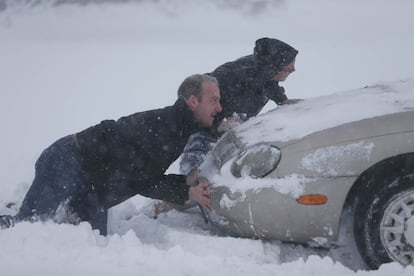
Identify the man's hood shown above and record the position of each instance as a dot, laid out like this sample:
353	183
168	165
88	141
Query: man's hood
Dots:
271	55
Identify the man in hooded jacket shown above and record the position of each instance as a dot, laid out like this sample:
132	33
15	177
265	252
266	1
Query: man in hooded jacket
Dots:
249	82
79	177
246	85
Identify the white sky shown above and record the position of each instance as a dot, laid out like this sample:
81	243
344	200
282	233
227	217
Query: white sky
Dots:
64	69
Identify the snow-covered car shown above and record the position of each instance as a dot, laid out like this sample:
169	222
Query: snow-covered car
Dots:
334	171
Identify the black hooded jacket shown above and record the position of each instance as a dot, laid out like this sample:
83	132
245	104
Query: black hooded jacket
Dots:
246	85
130	156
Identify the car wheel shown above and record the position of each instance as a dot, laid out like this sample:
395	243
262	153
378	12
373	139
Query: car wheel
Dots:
384	222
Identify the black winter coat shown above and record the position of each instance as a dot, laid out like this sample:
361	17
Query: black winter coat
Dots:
130	156
245	84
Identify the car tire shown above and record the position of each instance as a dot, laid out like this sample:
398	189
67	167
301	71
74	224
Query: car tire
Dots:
384	220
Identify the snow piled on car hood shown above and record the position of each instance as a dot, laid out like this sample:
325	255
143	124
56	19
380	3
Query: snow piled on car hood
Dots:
319	113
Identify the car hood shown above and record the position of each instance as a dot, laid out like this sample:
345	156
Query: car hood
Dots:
287	124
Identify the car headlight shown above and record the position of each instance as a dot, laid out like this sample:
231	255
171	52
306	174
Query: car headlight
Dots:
256	161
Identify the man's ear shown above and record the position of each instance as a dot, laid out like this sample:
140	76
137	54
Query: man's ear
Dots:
192	102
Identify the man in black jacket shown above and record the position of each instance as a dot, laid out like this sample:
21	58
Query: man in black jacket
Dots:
82	175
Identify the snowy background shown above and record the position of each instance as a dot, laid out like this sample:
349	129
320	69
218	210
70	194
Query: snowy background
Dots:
66	67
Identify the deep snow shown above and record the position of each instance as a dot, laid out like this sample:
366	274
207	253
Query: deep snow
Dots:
63	69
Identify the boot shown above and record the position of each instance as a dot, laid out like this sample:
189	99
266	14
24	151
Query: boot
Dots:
7	221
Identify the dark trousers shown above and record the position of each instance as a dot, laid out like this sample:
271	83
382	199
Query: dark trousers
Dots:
61	190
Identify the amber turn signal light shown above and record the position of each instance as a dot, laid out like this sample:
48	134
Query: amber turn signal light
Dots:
316	199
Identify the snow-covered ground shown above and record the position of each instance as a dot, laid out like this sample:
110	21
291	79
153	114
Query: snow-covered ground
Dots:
65	68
